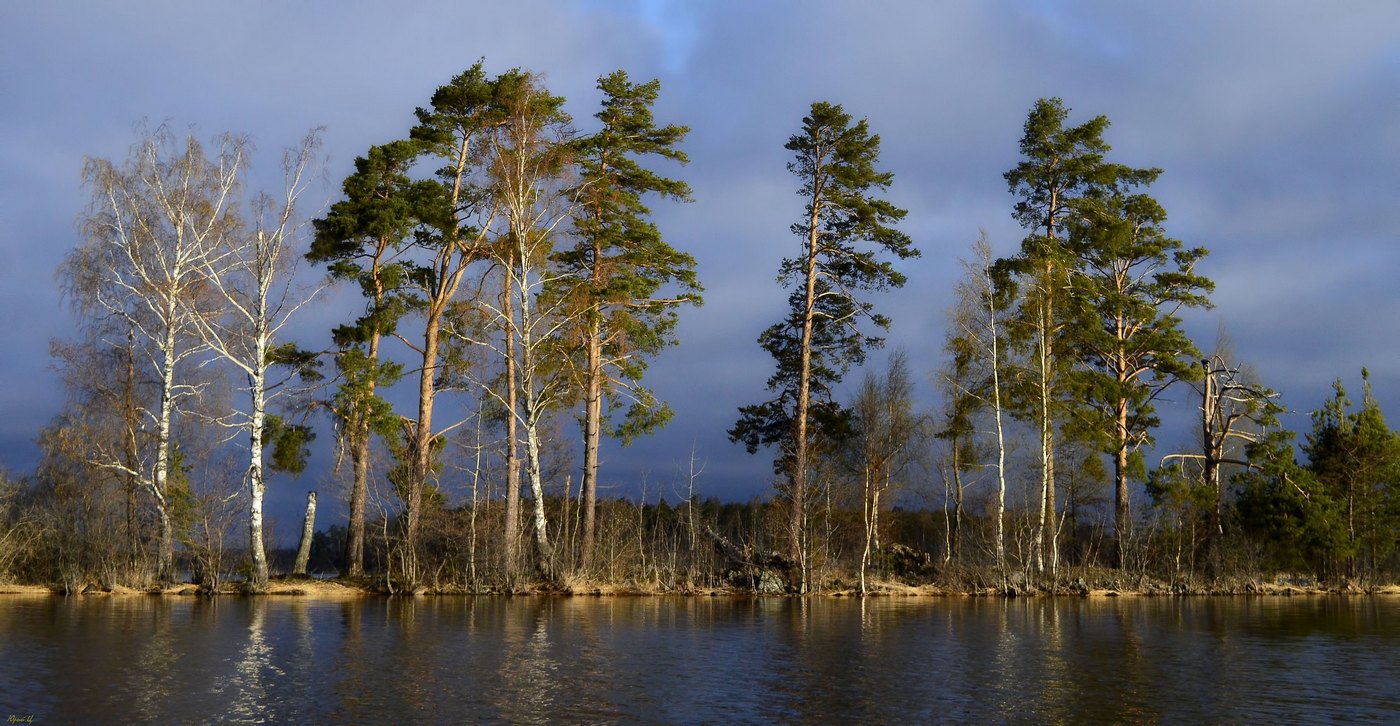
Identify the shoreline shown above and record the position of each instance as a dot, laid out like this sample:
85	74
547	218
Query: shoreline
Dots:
332	590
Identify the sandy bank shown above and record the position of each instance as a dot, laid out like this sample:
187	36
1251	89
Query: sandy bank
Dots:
342	590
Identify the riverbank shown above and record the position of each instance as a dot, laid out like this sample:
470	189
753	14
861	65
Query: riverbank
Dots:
318	589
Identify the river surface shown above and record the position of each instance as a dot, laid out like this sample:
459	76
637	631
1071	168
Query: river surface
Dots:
98	659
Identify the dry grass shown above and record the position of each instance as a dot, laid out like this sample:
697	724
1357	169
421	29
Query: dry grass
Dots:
317	589
577	586
26	590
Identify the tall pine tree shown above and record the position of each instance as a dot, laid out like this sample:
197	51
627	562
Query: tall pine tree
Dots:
1131	283
1061	179
626	279
843	230
361	239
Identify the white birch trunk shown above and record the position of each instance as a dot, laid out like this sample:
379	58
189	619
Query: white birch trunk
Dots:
165	558
999	504
542	545
532	405
1046	462
256	485
308	531
869	527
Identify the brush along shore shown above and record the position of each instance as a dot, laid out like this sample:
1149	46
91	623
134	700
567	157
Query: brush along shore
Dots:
339	589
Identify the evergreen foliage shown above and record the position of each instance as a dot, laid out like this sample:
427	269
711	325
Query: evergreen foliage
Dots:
620	270
514	261
845	230
1102	286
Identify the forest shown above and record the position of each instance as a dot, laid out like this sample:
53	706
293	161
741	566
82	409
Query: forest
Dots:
508	292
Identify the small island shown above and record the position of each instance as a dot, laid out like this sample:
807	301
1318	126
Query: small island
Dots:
497	288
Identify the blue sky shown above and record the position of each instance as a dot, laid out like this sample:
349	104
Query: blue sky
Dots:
1277	125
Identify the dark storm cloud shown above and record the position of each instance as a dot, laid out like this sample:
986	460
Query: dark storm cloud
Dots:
1277	126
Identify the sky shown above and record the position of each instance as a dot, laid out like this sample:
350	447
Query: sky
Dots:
1276	125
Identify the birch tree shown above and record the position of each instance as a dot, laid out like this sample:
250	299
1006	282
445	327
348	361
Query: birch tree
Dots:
821	338
152	224
252	277
973	381
530	151
886	429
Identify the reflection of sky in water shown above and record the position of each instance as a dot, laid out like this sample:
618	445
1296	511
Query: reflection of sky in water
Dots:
530	659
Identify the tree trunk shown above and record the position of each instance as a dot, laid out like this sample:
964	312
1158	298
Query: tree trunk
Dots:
165	558
359	460
360	432
256	486
1210	465
132	479
422	463
308	529
592	435
530	370
476	486
359	490
869	527
999	504
1047	423
804	392
955	539
1047	457
512	529
1122	513
542	546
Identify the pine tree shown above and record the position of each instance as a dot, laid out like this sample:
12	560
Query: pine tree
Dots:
452	231
1062	179
1356	457
362	239
1282	504
436	228
821	338
1131	281
620	271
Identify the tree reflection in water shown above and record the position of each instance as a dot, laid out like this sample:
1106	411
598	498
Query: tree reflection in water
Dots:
688	659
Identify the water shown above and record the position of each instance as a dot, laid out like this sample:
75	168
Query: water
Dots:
715	660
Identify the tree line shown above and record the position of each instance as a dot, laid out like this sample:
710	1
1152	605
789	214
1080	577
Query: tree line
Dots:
506	261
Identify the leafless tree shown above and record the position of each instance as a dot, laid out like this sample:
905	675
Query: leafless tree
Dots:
886	429
152	225
1235	410
977	344
252	276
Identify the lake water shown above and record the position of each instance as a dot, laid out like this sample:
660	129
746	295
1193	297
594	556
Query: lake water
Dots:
716	660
